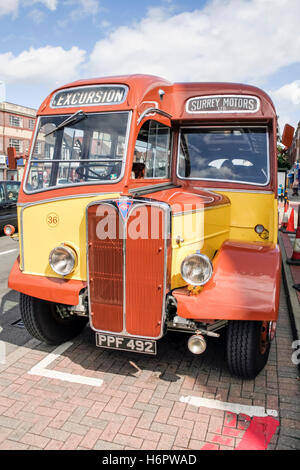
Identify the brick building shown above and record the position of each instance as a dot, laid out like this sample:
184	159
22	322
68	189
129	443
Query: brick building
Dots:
16	127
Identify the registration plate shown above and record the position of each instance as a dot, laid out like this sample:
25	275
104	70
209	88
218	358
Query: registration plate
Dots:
126	343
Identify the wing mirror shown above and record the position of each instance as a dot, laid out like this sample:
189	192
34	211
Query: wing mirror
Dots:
287	135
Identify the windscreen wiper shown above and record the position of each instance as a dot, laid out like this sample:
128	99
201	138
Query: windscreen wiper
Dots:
76	117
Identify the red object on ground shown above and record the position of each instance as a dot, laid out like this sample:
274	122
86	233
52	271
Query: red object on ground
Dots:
258	434
291	226
284	221
295	259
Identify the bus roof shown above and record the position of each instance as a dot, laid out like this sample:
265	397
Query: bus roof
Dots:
183	101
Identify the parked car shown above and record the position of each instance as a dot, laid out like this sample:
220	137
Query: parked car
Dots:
9	191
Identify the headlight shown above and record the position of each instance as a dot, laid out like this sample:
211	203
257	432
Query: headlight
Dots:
196	269
62	260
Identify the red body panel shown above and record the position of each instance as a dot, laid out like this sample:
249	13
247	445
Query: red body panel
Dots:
105	274
142	269
244	286
47	288
145	279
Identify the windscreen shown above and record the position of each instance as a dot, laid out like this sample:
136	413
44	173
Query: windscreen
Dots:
88	149
235	154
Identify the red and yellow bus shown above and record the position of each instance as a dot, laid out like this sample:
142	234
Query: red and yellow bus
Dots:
149	206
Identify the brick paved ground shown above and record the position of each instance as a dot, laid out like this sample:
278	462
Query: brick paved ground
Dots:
138	405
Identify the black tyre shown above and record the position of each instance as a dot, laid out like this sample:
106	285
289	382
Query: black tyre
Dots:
248	347
42	321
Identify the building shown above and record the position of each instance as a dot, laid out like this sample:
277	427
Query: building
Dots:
294	152
16	127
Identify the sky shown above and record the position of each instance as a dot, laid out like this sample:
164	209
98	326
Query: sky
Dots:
47	43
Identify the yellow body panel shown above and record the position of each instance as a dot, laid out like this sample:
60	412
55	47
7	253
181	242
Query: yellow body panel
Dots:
38	238
215	225
204	230
250	209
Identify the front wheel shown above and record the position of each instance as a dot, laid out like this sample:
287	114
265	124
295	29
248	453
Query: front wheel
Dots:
248	347
44	322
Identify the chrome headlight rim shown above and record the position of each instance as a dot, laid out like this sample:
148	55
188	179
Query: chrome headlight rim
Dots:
209	264
71	252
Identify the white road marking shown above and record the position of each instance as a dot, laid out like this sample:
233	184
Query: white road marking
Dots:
2	350
231	407
6	252
40	369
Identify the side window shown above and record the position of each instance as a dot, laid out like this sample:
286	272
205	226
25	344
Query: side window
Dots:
2	195
152	152
12	191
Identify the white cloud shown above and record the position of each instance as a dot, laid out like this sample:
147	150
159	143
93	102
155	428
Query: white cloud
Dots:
12	6
51	65
290	93
230	40
8	7
287	102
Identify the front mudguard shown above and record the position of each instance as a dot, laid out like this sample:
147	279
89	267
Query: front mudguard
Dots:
245	285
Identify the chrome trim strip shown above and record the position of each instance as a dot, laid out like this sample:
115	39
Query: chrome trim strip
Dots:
153	188
75	196
256	98
153	110
237	190
89	183
167	242
81	88
105	203
201	209
36	203
222	180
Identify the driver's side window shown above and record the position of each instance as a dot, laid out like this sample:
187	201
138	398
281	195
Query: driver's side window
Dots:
152	152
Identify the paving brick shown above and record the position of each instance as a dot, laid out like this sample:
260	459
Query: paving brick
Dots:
41	424
123	410
230	420
126	440
146	434
72	442
21	430
146	420
8	422
145	396
112	417
91	438
183	437
75	428
164	428
149	445
289	442
178	410
166	442
184	423
128	425
46	411
54	445
34	440
195	444
12	445
110	431
221	440
60	419
57	434
199	431
104	445
162	414
231	432
98	423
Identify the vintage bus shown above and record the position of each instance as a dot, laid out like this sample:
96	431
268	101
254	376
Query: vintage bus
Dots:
149	206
